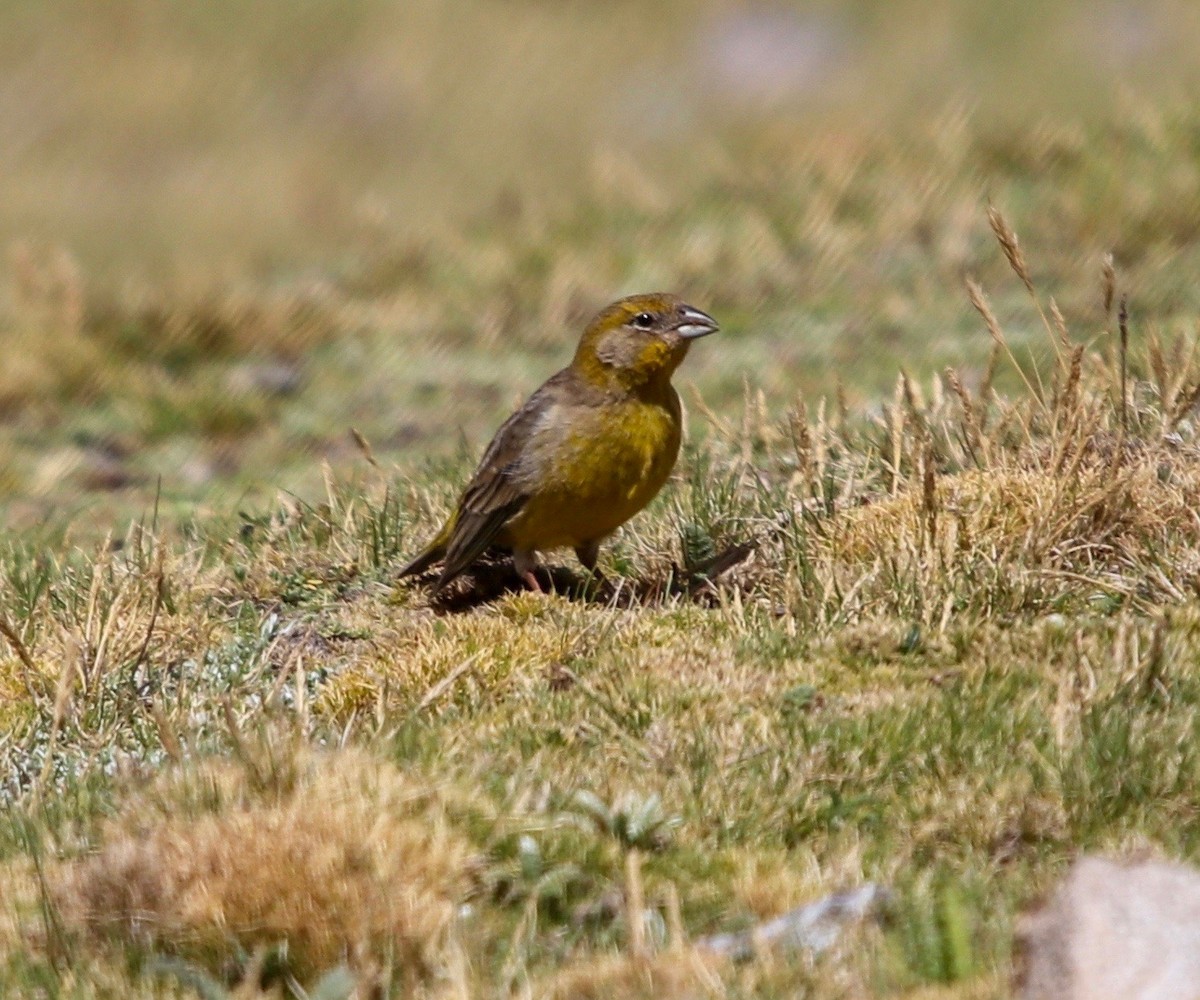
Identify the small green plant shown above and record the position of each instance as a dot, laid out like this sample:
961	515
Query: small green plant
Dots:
632	820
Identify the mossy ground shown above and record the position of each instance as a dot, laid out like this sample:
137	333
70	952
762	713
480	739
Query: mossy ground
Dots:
919	606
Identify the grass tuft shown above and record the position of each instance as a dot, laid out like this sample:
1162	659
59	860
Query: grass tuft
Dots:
324	858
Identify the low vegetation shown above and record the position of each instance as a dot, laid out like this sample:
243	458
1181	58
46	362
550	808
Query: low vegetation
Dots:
919	608
941	646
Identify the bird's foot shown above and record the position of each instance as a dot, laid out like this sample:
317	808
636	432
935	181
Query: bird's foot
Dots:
525	562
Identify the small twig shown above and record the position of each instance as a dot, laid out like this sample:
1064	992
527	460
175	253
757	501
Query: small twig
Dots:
154	610
1123	326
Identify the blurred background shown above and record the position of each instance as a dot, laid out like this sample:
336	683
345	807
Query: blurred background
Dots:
233	232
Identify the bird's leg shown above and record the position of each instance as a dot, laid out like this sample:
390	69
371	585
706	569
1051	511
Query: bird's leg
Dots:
524	562
587	554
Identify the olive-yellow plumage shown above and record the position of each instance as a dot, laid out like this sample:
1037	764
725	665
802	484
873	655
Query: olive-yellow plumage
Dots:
588	450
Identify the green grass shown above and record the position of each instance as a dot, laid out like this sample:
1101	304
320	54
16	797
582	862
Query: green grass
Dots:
918	607
956	657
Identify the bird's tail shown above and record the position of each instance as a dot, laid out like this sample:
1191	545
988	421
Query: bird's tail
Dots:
434	552
431	555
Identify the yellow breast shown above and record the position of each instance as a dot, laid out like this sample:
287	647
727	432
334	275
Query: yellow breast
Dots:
597	467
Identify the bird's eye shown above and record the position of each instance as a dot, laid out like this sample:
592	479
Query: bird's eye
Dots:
643	321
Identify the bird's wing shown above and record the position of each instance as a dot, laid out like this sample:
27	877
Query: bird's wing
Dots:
500	486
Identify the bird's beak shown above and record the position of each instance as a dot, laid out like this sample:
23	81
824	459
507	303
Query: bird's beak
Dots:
693	323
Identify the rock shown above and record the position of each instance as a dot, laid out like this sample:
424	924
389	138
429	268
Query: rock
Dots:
1115	931
813	927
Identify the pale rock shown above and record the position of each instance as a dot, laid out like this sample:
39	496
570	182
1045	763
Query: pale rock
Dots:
1115	931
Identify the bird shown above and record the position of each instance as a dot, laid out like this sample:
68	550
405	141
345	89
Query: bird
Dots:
591	447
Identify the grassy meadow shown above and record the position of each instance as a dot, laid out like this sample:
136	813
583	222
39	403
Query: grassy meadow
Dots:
920	606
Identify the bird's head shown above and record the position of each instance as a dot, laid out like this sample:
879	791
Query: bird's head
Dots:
640	340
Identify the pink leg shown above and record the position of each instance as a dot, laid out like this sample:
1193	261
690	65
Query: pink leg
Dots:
524	563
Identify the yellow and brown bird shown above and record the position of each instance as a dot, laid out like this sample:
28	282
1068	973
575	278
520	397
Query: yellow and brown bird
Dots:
587	451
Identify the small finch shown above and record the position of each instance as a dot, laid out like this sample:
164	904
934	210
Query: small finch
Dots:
588	450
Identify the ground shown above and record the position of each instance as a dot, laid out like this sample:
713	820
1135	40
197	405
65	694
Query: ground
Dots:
919	606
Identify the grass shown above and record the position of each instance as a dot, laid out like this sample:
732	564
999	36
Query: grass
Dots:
952	654
919	606
820	270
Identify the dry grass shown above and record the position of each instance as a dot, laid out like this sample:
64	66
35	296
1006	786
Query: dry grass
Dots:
76	346
231	388
328	858
18	904
957	498
958	610
258	141
899	557
681	975
1111	531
